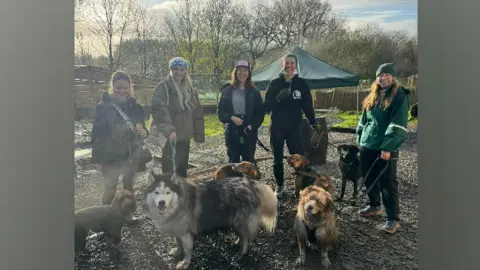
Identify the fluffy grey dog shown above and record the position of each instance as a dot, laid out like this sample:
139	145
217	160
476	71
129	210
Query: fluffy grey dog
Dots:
183	209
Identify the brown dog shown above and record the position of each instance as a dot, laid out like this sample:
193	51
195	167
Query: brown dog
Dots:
238	169
306	175
108	219
315	223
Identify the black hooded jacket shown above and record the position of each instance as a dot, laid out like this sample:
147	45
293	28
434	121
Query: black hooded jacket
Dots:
287	113
111	137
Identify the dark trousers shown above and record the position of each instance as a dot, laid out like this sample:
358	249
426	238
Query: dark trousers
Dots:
278	137
111	173
386	185
181	158
240	146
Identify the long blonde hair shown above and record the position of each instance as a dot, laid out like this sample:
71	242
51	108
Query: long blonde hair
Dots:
187	95
120	75
374	95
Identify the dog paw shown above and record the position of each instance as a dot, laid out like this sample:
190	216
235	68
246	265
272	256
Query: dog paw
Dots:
175	252
182	265
326	263
300	261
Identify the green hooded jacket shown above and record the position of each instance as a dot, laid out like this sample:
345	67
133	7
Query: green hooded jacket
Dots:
385	130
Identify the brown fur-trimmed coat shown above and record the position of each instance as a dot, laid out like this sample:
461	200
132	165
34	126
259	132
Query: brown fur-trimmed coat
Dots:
168	116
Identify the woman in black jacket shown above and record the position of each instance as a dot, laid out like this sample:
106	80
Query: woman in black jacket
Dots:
113	139
240	109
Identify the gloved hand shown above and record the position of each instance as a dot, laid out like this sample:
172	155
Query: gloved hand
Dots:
318	128
283	94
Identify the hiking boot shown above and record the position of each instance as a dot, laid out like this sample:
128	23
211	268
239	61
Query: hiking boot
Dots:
370	211
279	191
391	226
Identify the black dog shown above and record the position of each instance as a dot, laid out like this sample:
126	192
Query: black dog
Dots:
414	111
349	164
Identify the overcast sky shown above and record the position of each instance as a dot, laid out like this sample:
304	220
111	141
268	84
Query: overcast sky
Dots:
390	14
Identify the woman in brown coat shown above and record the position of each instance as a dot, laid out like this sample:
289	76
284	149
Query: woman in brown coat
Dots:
177	114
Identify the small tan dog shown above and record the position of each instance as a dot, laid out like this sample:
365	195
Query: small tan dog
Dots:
315	223
307	176
108	219
238	169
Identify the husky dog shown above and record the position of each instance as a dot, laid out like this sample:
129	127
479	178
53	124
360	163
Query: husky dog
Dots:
183	209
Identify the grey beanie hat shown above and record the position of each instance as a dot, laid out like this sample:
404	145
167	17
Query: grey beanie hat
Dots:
388	68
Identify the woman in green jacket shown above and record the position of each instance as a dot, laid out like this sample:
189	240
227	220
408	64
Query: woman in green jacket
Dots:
380	133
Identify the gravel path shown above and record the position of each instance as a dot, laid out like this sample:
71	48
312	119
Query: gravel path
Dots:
361	246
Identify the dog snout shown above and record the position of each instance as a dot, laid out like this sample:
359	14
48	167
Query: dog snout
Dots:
161	203
309	208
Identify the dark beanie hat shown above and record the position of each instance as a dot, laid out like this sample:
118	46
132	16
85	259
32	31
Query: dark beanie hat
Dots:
388	68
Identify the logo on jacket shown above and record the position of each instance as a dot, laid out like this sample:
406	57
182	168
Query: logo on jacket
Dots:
297	94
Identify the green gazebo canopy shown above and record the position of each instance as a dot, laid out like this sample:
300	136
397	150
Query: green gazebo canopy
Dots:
316	72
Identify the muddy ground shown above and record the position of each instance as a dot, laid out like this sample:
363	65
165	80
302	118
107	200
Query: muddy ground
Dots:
361	245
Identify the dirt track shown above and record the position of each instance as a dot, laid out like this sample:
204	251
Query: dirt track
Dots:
361	246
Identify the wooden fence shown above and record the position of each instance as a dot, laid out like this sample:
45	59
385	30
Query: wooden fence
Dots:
347	100
91	82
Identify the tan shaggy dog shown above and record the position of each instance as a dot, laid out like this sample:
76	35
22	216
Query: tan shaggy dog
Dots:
238	169
306	175
108	219
315	223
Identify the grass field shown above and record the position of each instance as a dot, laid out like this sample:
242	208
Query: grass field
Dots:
213	127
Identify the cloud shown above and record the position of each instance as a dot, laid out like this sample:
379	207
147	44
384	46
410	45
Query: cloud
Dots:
388	20
389	15
167	5
355	4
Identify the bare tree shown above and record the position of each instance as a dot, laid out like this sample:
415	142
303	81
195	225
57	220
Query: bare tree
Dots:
184	26
256	29
218	31
110	20
300	20
82	50
79	6
144	29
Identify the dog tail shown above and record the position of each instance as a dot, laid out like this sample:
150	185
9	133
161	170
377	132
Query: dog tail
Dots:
268	207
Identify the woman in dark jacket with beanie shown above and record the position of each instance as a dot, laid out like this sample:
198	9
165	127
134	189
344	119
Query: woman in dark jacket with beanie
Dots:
240	109
113	141
380	133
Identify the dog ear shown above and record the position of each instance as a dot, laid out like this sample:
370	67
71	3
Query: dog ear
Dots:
329	207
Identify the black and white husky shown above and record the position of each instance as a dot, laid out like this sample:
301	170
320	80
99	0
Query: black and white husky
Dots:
183	209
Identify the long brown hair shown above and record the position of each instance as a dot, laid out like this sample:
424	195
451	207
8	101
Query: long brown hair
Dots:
374	95
235	82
